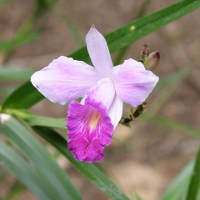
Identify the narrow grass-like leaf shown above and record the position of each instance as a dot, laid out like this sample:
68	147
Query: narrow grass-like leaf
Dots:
124	50
47	122
16	189
15	164
38	155
6	91
173	78
116	40
13	43
194	185
87	169
3	176
12	74
179	185
42	7
23	97
35	120
70	26
136	196
170	123
142	27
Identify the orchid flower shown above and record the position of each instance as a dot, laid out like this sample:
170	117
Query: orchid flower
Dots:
104	88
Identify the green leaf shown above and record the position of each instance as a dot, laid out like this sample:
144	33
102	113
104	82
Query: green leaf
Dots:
39	156
170	123
12	74
87	169
35	120
13	43
173	78
14	163
194	185
178	187
142	27
47	122
116	40
70	26
136	196
6	91
14	191
23	97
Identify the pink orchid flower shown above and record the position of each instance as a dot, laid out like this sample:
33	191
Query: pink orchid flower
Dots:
103	87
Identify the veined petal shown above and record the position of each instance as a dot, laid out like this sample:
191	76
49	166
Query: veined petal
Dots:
89	130
82	150
65	79
98	51
133	83
103	91
115	111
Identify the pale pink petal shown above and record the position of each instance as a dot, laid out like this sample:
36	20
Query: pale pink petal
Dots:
89	130
98	51
103	91
115	111
133	83
65	79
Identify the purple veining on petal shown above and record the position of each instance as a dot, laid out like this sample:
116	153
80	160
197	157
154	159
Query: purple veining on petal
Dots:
65	79
133	83
83	150
89	130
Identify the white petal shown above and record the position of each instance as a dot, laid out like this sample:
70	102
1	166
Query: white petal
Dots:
115	111
103	91
65	79
98	51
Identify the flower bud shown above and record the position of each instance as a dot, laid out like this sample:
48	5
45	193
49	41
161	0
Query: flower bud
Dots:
152	61
144	53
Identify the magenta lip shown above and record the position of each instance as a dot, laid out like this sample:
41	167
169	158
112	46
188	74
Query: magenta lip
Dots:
87	142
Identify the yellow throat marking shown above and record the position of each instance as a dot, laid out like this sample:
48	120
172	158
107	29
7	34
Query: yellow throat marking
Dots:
94	120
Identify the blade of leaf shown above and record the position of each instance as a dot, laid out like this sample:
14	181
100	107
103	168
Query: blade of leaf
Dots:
6	91
124	50
87	169
136	196
23	97
13	43
35	120
12	74
173	78
14	163
194	185
142	27
116	40
177	188
35	152
170	123
47	122
16	189
70	26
